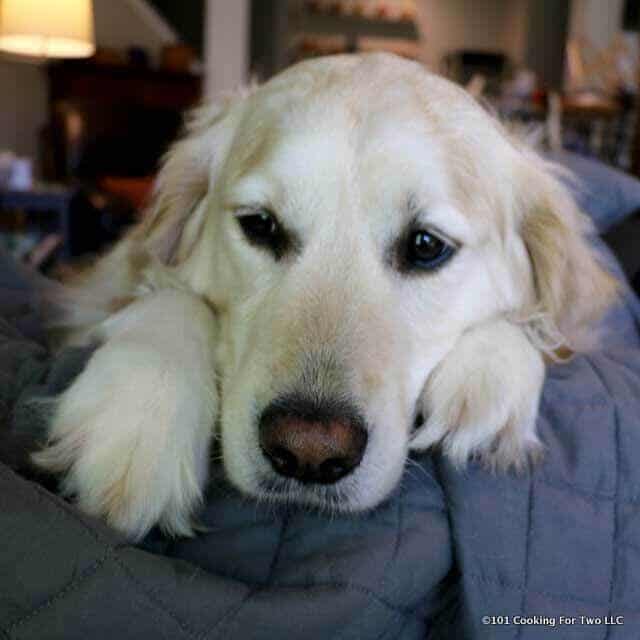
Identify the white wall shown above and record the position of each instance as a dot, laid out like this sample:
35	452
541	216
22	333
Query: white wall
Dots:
598	24
516	22
23	85
226	45
597	20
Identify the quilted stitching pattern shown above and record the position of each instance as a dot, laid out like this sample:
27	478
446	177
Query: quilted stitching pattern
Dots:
564	541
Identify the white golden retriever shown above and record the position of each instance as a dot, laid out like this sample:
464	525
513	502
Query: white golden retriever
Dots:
346	263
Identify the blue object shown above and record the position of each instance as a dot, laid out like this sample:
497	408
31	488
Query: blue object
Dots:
606	194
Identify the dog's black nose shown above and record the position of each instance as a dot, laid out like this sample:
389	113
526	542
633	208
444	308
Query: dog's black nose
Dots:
312	443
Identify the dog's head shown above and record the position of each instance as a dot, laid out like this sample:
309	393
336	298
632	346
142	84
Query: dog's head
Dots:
349	221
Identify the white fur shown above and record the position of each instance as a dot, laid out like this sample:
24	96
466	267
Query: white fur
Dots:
483	400
348	152
133	431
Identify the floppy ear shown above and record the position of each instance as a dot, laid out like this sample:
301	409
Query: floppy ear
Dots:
571	290
173	220
168	230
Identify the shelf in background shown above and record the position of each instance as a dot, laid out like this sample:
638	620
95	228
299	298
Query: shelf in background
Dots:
341	24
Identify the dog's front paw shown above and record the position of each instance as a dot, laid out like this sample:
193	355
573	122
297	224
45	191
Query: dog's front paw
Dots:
131	437
482	400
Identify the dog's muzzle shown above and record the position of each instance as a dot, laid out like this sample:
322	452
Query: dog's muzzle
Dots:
312	442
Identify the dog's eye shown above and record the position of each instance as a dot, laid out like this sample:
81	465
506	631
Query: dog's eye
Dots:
426	251
259	227
262	229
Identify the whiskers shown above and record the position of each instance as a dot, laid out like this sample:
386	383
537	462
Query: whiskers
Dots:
414	471
328	501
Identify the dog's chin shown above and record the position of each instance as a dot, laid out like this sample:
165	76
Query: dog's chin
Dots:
343	497
332	499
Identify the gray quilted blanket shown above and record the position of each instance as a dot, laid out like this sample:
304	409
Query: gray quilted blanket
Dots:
554	553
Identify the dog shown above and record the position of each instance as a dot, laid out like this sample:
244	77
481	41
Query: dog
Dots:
347	263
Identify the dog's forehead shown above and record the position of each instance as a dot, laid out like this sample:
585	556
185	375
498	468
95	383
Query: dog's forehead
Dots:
363	87
364	135
334	131
350	96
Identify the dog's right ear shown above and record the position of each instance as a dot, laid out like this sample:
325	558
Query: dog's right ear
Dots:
170	225
173	219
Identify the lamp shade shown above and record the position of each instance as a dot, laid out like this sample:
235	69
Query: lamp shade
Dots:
47	28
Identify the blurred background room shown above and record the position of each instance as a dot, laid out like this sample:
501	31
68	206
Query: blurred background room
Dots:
93	92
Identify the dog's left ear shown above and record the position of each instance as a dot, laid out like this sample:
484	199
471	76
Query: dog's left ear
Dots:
571	289
176	212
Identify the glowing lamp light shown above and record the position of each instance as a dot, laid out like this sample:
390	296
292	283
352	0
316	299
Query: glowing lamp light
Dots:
47	28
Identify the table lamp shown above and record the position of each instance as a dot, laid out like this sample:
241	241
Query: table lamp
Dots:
47	28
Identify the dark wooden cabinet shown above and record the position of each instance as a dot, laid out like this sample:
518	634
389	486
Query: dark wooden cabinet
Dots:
122	85
113	120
